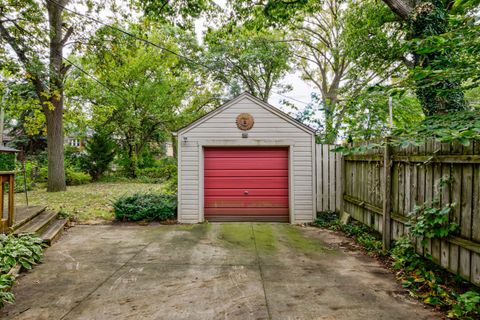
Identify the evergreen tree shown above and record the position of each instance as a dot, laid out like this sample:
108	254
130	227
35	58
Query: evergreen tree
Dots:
99	154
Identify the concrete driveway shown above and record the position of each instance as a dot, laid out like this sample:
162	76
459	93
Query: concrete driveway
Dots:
208	271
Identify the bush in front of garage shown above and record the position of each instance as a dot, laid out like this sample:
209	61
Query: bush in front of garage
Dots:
145	206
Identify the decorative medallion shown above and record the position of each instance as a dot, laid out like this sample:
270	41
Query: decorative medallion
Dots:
244	121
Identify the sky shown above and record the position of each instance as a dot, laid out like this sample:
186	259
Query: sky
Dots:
299	96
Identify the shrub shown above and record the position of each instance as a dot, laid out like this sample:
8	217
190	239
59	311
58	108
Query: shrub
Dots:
75	178
7	161
326	219
73	156
145	206
166	169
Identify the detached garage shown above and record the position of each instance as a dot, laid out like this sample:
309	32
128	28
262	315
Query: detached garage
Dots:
246	161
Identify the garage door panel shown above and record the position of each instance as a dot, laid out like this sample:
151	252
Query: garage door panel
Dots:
246	202
245	153
246	182
251	192
244	163
251	212
246	173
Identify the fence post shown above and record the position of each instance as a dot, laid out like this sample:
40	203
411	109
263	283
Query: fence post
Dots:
341	180
387	197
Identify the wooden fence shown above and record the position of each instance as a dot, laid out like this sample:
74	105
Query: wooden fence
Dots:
329	194
394	180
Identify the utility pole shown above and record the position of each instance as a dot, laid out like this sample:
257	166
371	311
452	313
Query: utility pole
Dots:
390	111
2	117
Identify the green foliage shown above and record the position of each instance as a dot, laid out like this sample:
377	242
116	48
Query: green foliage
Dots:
75	177
25	251
151	88
180	12
145	206
99	154
467	306
368	238
7	161
326	219
369	242
404	255
429	222
164	170
460	127
73	156
247	60
6	282
429	283
367	116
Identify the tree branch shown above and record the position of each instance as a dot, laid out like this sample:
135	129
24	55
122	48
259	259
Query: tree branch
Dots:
400	7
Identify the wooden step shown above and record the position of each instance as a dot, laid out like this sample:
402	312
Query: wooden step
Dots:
25	214
53	230
37	224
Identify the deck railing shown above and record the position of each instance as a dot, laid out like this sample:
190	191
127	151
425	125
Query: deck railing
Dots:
6	177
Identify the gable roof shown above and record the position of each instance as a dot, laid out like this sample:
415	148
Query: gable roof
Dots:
254	99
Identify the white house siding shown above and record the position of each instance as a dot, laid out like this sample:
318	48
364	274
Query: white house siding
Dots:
269	129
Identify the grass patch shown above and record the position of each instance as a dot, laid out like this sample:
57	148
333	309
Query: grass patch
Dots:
89	203
238	235
264	238
299	241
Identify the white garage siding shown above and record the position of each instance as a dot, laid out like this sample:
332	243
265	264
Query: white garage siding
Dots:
271	128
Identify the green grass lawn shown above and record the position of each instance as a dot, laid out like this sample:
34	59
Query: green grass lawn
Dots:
89	203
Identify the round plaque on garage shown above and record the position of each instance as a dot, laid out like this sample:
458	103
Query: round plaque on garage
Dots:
244	121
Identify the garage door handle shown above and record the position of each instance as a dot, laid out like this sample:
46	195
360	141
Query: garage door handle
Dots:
245	192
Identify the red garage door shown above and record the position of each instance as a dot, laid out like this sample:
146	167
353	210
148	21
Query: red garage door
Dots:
246	184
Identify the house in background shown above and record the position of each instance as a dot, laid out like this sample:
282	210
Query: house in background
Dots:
168	149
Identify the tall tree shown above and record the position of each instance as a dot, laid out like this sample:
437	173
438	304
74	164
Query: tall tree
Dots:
148	87
21	27
322	43
247	60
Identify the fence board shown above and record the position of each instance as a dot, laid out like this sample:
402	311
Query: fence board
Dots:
326	194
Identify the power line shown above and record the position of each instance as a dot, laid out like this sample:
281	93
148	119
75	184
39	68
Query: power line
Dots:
155	44
291	98
73	64
129	34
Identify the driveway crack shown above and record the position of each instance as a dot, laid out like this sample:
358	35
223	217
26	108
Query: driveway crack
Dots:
261	273
107	279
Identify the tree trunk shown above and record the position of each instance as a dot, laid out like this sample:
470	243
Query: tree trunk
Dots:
133	161
55	140
54	109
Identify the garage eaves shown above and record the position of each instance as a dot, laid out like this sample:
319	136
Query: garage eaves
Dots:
254	99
